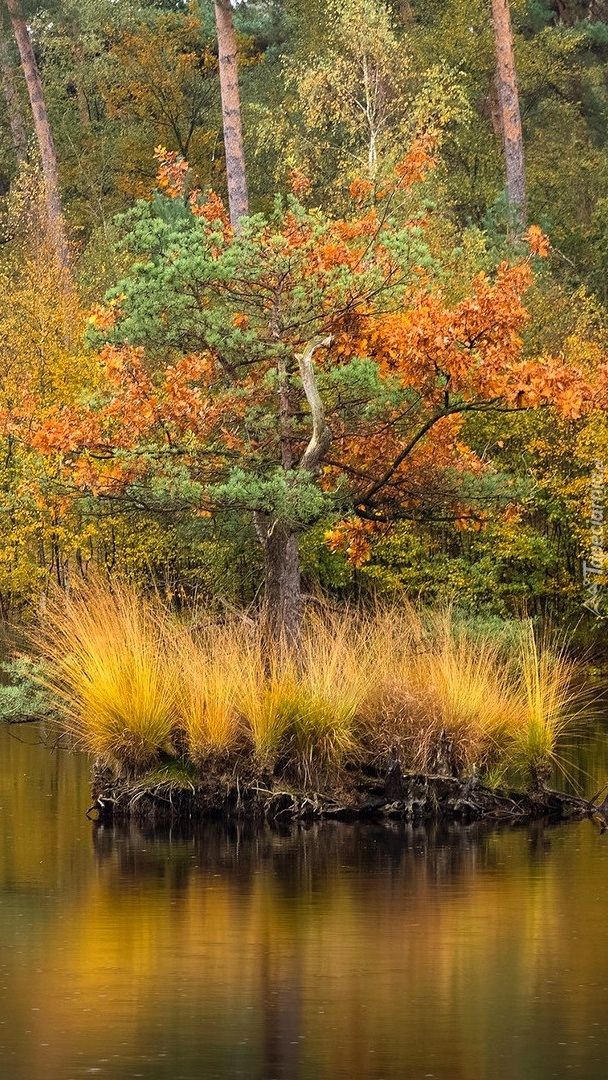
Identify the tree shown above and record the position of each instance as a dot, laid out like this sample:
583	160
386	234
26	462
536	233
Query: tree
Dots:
508	99
359	65
238	200
301	370
160	87
43	133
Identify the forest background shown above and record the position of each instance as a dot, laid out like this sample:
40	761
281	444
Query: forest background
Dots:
166	440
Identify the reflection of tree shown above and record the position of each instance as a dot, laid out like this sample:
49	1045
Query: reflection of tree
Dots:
281	997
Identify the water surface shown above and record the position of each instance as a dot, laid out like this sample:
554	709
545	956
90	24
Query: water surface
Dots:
337	952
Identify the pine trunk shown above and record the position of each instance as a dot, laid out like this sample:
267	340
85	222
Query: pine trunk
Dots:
282	592
43	133
18	132
510	115
238	201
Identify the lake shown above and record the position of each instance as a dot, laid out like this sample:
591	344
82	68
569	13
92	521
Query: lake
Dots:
334	952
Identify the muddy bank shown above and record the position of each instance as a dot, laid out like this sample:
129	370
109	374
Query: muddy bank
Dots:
413	798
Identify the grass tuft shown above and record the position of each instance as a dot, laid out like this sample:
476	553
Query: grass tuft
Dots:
105	653
549	701
204	672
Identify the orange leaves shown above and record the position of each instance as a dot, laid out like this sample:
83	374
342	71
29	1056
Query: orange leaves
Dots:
470	346
211	208
354	538
418	161
104	317
466	521
360	189
172	179
539	244
64	430
299	182
548	381
172	172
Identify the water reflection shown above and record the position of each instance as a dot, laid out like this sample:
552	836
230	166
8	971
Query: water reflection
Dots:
323	953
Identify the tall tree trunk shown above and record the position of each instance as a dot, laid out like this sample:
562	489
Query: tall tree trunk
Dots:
43	133
510	115
18	132
238	201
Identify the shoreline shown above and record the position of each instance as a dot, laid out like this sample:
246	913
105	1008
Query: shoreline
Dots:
413	798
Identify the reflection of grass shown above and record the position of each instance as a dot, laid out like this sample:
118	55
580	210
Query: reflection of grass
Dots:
136	688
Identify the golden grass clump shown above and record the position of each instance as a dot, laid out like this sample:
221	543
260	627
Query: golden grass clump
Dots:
105	651
136	686
267	696
205	671
330	686
302	707
548	705
471	694
443	701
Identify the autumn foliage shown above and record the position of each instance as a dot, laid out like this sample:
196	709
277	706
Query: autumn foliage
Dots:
192	393
404	367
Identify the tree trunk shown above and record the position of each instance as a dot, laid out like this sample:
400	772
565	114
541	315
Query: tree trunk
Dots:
43	133
282	594
18	132
238	201
510	115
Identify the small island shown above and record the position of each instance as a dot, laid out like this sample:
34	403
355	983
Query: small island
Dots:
393	712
